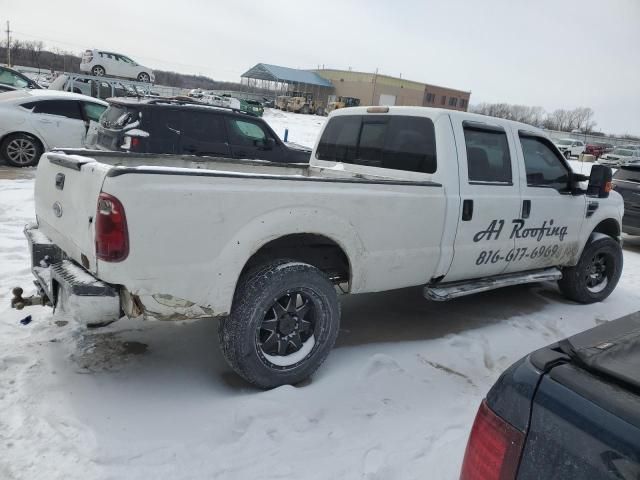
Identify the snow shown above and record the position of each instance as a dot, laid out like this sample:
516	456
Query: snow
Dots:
139	400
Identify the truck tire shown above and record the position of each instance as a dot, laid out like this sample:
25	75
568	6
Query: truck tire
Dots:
283	323
21	150
596	274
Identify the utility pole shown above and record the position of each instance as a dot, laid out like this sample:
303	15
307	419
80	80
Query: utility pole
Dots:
8	45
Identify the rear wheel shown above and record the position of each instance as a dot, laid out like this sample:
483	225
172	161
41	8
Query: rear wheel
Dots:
284	321
596	274
98	71
144	77
21	150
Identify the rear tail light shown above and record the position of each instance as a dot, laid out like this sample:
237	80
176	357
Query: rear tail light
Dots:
112	235
493	450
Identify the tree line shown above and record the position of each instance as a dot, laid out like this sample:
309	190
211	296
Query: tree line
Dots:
580	118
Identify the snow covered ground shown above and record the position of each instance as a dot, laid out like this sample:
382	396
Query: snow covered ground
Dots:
151	400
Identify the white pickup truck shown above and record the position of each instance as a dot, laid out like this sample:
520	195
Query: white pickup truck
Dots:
393	197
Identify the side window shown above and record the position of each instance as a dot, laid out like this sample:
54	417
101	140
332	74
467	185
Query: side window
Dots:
394	142
245	133
444	100
203	127
61	108
488	157
93	110
543	166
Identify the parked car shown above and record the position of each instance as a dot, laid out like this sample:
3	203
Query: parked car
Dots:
394	197
568	411
95	87
100	63
626	182
33	121
620	156
597	149
569	147
11	79
251	106
183	126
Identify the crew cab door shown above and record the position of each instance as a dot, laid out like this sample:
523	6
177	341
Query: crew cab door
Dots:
547	229
60	122
249	139
490	200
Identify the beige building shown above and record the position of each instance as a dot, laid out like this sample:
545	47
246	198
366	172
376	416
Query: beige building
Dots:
375	89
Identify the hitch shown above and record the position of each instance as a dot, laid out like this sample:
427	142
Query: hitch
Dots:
19	302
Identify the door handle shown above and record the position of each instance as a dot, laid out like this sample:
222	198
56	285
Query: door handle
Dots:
526	208
467	210
44	120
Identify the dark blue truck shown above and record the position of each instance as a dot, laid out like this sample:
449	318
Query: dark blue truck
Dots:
567	411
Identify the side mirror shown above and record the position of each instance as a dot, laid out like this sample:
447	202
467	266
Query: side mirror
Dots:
600	181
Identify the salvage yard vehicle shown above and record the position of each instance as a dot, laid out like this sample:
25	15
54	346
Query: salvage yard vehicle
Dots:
100	63
393	197
33	121
187	127
251	106
626	182
11	79
620	156
567	411
570	147
342	102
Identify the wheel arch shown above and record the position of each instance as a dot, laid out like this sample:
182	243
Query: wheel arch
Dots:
609	227
315	249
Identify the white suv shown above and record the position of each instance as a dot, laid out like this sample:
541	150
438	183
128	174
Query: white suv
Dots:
100	63
569	147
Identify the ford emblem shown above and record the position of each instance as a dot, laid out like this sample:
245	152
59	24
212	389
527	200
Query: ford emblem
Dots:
57	209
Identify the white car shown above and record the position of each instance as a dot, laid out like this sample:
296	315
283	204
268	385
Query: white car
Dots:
101	63
620	156
570	147
33	121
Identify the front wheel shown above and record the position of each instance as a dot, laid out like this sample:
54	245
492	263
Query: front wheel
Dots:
596	274
567	154
144	77
284	321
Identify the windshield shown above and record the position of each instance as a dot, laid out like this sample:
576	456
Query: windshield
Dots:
117	116
622	152
564	142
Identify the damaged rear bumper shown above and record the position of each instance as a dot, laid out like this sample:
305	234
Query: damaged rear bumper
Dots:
66	286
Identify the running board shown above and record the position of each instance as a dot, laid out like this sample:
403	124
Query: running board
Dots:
447	291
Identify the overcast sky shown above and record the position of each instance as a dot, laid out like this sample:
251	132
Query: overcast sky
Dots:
550	53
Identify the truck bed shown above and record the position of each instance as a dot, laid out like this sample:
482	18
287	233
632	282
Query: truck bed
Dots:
124	162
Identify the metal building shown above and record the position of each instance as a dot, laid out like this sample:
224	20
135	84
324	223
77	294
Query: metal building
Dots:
278	80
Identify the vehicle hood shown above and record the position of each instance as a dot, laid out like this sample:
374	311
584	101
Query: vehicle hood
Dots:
611	349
